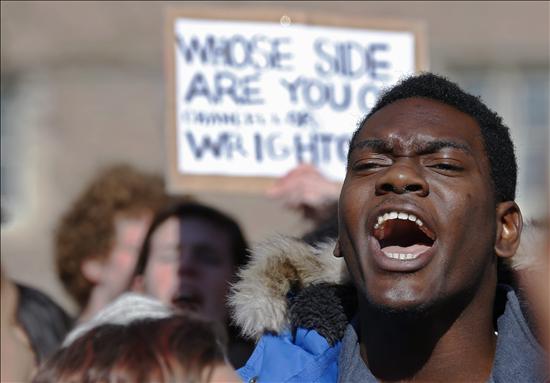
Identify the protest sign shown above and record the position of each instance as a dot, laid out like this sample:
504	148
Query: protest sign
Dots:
250	96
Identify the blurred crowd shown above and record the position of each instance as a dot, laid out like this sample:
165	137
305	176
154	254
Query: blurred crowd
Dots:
152	274
123	239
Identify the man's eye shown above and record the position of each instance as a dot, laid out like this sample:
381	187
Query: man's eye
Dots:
447	167
207	256
367	166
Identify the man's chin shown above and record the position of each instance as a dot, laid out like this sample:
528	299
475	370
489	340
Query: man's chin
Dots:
399	305
404	311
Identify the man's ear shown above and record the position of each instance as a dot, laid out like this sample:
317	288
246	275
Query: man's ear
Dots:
92	269
509	226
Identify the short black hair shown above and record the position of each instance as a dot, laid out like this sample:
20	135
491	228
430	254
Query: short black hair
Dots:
186	209
496	136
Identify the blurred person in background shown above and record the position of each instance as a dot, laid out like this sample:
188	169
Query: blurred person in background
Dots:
138	339
98	239
190	256
32	328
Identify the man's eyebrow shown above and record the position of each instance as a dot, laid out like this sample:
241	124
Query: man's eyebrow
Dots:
420	148
430	147
377	145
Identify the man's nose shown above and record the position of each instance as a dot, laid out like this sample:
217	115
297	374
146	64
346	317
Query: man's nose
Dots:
402	177
187	265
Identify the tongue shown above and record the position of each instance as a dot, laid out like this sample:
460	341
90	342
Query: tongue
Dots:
413	249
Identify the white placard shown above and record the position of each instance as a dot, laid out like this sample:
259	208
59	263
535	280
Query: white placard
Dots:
254	99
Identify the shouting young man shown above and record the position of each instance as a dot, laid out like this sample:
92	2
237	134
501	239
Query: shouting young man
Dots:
426	218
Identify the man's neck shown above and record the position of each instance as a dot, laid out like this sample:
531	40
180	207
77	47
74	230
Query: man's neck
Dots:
455	342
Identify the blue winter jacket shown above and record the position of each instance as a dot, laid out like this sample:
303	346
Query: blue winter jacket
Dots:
305	357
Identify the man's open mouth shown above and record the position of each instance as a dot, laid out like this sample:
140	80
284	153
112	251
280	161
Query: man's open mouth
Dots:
187	300
402	236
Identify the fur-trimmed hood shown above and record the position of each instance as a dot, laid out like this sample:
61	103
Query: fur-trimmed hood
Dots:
283	270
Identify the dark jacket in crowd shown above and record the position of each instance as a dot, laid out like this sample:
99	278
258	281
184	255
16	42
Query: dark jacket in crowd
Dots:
44	322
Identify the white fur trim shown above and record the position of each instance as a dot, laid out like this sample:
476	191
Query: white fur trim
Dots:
258	301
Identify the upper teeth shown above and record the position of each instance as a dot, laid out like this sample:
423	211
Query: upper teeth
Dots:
396	215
